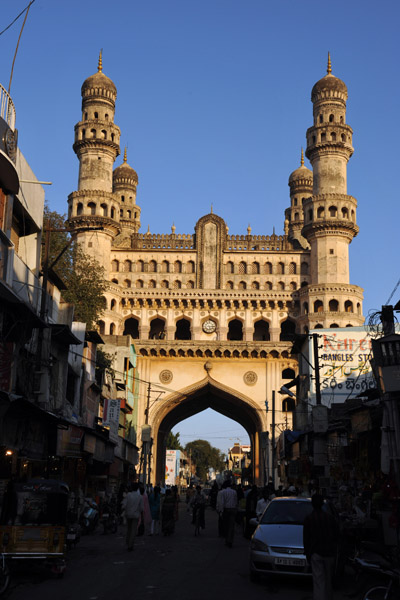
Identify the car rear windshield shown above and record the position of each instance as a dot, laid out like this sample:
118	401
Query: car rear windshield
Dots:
291	512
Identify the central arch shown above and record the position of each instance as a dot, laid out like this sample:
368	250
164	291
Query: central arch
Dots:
192	400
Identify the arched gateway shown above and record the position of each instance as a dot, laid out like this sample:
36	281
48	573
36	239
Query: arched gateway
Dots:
204	394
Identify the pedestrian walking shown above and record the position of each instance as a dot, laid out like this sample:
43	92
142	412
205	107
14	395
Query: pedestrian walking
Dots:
168	513
229	503
133	507
320	538
154	502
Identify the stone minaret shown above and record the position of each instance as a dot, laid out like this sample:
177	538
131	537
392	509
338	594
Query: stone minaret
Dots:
125	180
330	214
301	188
96	146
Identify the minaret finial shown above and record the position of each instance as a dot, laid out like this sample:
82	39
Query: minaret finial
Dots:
329	69
100	64
211	209
125	157
302	158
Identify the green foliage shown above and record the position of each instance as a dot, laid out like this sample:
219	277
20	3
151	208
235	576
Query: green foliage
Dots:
173	441
104	362
205	456
82	274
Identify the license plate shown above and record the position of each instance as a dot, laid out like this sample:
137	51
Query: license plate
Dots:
290	562
71	536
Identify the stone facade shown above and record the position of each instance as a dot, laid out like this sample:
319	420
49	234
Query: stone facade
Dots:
212	314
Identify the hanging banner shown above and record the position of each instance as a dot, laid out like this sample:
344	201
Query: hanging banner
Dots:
170	467
111	417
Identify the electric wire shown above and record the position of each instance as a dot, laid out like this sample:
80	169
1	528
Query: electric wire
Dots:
16	18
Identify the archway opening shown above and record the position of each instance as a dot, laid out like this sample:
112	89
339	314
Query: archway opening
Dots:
182	331
288	329
132	328
235	331
157	329
261	331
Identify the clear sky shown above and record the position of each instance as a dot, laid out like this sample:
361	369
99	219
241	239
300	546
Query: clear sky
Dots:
213	104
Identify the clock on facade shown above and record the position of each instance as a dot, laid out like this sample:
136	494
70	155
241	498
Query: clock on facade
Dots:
209	326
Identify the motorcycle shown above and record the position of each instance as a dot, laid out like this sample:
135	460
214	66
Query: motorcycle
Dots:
90	516
109	520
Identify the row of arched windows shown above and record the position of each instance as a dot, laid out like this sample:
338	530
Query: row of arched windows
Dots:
255	268
183	331
332	213
333	137
331	118
152	266
95	116
94	134
332	306
177	284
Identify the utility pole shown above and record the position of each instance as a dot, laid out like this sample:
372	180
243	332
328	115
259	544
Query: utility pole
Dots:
273	440
315	337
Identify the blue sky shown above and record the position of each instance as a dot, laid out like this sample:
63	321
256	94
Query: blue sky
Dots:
213	103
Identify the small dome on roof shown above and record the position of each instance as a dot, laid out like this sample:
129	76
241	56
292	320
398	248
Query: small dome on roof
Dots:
301	173
99	80
125	173
329	83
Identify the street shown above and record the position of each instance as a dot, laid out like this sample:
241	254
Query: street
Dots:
181	567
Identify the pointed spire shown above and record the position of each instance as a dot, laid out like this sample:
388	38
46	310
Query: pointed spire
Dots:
211	209
100	63
148	230
302	158
329	69
125	157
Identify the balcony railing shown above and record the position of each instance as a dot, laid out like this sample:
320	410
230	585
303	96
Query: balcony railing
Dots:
7	108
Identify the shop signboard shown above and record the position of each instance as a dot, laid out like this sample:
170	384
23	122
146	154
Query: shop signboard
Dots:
344	363
69	441
170	467
111	417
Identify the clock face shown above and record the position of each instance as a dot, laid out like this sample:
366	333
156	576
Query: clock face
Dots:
209	326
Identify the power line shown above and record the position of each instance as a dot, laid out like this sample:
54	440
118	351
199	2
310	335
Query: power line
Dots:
16	18
393	293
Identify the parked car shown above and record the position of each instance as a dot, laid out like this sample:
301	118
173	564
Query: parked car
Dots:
277	544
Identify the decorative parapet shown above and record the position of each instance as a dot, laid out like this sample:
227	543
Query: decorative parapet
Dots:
172	241
7	108
271	243
162	241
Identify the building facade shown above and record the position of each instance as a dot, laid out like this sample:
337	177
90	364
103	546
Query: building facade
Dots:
213	313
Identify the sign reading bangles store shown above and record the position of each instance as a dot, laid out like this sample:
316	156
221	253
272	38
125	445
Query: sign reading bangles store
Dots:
345	370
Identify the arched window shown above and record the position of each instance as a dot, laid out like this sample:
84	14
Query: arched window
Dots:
83	133
343	137
268	268
304	283
288	373
164	283
318	306
140	266
128	214
229	285
190	267
268	285
113	304
235	330
92	208
177	285
348	306
152	283
132	328
164	266
106	117
104	134
345	213
112	328
104	209
288	329
139	283
121	213
190	285
333	325
152	266
79	208
112	213
318	326
127	283
128	266
85	116
230	267
115	265
242	285
331	118
93	132
255	285
178	266
333	306
333	211
114	281
321	118
292	268
288	405
323	137
280	268
296	216
320	212
261	331
304	268
96	115
256	268
293	286
157	329
281	286
242	268
295	202
341	119
182	331
112	137
333	136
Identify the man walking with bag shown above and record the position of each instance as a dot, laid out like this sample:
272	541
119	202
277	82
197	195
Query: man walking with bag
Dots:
133	506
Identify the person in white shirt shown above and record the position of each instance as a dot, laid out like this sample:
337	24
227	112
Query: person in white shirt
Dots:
228	502
133	506
262	503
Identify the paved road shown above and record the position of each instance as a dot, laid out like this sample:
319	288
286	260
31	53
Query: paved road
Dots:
180	567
